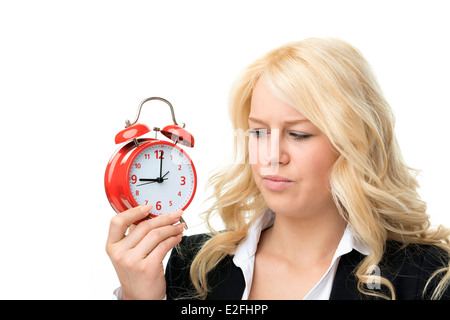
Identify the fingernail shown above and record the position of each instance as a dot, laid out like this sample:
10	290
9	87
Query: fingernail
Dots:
176	214
145	208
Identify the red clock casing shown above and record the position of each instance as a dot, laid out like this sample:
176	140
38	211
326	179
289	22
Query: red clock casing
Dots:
118	172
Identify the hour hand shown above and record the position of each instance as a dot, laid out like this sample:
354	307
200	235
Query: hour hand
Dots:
148	180
155	180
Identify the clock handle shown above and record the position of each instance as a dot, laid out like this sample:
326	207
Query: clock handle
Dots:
153	98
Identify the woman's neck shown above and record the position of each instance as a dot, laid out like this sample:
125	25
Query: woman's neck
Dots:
304	239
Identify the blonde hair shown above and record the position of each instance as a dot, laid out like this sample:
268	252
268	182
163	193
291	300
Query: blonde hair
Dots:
331	84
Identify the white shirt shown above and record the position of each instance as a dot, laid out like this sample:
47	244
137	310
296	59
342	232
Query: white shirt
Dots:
244	257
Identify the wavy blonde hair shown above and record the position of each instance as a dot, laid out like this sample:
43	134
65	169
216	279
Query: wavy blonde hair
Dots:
331	84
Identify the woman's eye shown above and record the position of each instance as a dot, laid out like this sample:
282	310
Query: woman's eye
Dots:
258	133
299	136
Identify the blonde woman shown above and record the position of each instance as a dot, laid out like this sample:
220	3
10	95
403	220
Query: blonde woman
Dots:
318	203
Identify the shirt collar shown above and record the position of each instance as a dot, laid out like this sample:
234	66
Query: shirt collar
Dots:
247	248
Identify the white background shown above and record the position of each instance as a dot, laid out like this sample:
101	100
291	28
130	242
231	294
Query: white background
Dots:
71	73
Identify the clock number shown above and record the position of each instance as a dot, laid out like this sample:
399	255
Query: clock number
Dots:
137	165
159	154
170	203
179	193
183	180
158	205
147	156
133	179
137	192
179	167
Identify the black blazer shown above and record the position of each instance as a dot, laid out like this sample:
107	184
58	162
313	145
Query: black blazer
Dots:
408	268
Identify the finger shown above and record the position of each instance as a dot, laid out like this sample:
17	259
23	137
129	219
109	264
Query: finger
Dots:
155	237
131	228
121	221
160	251
143	228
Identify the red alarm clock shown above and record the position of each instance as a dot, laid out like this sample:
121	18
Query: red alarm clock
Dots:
151	171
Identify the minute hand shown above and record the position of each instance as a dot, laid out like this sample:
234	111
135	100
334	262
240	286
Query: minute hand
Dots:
160	165
138	185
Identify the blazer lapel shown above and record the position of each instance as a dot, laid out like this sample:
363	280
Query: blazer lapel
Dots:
227	282
345	282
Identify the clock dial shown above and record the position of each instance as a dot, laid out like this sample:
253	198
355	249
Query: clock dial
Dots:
164	176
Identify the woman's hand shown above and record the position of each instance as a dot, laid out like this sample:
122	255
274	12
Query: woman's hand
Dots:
138	256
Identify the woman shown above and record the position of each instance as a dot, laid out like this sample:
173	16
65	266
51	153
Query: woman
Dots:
322	207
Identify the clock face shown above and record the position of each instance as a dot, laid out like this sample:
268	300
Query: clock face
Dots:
164	176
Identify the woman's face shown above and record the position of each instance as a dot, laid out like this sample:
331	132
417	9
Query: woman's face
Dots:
290	157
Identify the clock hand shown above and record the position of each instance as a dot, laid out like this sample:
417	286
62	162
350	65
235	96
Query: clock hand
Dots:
138	185
160	165
161	179
151	181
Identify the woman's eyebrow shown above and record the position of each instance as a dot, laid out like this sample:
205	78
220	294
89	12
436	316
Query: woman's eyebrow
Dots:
289	122
297	121
256	120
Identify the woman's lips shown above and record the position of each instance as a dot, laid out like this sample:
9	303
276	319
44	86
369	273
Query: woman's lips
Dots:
276	183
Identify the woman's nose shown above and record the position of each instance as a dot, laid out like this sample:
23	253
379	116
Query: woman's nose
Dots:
271	152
